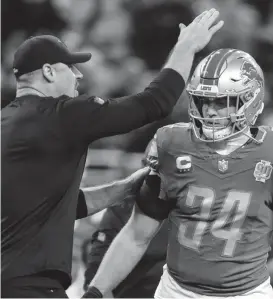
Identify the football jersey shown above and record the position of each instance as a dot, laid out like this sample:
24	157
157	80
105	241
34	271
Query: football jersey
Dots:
221	226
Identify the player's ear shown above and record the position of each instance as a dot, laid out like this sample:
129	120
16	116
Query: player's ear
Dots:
49	73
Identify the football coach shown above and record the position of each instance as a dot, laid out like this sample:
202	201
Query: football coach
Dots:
46	132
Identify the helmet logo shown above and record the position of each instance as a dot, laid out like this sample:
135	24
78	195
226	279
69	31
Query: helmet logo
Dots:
249	74
206	87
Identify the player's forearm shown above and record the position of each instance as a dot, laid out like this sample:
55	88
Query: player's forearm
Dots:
122	256
181	61
100	197
97	252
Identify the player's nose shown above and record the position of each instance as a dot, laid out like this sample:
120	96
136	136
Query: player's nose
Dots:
210	109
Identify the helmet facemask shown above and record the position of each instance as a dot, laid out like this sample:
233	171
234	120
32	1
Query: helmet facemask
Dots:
226	75
217	128
213	129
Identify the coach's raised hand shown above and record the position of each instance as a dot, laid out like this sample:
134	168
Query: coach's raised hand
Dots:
200	31
192	39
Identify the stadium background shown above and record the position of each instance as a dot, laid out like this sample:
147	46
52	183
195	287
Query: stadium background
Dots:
129	41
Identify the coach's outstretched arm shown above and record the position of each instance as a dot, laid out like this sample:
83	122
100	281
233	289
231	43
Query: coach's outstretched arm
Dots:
100	197
159	98
93	118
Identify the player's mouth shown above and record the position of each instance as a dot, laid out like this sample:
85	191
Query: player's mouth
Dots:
212	124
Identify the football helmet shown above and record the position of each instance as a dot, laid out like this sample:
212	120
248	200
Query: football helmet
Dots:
235	76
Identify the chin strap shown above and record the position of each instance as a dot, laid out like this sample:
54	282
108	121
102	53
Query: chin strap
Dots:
259	138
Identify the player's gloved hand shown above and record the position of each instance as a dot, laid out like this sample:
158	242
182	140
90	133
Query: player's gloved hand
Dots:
200	31
92	292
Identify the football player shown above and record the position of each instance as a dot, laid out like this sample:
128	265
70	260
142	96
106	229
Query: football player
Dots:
213	179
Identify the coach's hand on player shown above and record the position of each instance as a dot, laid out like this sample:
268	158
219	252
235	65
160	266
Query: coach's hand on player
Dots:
100	197
200	31
133	183
129	187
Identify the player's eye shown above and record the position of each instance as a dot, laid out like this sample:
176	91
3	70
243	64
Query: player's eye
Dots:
206	101
222	101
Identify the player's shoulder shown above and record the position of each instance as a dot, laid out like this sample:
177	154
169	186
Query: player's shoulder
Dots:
168	133
177	126
173	128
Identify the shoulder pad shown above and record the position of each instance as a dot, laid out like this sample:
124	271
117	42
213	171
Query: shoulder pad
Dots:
178	125
166	133
151	155
172	127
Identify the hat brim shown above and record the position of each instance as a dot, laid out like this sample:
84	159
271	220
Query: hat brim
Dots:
78	57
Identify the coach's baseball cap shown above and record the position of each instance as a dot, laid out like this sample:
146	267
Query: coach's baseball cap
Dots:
33	53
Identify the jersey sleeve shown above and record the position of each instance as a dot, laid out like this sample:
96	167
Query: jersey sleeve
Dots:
152	199
269	131
151	155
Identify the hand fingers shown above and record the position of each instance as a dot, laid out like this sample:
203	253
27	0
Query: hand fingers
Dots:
138	178
140	175
210	18
182	26
199	17
216	27
211	12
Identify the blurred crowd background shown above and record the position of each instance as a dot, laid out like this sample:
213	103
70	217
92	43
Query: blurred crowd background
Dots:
130	41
